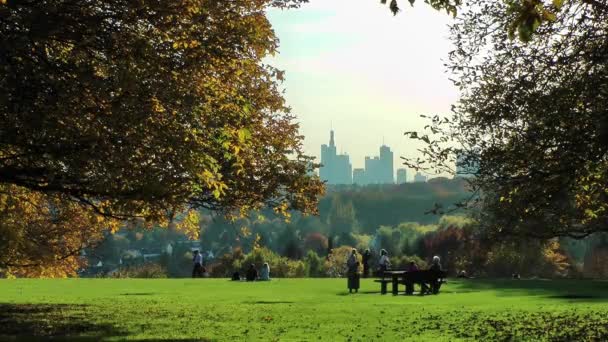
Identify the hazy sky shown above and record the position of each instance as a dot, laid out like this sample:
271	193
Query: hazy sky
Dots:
351	64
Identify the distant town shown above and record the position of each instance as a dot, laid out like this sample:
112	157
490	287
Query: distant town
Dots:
337	169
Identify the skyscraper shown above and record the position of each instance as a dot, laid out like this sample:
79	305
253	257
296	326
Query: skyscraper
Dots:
419	178
335	168
386	166
401	176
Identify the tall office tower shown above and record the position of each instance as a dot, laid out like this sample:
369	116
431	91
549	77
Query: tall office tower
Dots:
386	168
401	176
359	176
419	178
372	170
335	168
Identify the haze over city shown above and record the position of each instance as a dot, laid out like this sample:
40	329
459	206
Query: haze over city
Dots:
351	66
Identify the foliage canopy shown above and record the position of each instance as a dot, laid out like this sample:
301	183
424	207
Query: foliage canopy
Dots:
146	109
532	121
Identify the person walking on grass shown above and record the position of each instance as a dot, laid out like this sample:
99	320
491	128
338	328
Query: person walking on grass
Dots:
352	265
197	270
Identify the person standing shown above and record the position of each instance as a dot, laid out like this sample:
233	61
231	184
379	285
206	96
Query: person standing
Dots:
265	272
197	270
352	265
367	255
385	262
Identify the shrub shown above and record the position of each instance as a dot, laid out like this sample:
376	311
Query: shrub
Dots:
402	262
225	265
314	265
150	270
335	265
280	267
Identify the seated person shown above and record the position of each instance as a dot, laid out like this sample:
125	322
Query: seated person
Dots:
436	266
409	287
265	272
252	273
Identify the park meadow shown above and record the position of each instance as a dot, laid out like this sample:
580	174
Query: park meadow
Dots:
304	170
300	310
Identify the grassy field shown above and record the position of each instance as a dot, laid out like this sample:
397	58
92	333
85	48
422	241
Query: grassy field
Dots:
301	310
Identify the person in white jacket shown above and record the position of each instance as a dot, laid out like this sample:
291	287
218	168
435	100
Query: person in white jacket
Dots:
265	272
384	262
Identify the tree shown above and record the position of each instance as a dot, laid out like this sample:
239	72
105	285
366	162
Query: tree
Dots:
342	220
525	17
532	119
43	235
147	109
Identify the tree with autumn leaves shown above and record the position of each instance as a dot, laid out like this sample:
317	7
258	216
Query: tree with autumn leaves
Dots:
531	121
119	110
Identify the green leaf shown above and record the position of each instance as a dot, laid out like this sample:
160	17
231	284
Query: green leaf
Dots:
558	3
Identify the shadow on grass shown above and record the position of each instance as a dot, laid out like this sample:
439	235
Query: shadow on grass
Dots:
47	321
137	294
268	302
562	289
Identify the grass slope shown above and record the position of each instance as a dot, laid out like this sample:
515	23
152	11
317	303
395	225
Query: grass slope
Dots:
301	310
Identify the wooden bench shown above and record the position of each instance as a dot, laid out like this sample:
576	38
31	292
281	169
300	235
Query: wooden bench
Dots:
383	283
422	277
390	277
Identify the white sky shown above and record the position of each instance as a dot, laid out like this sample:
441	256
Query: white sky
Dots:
351	64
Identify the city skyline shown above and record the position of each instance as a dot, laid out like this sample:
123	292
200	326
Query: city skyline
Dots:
336	168
371	82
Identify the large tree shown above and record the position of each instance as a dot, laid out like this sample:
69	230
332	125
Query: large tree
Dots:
532	121
146	109
524	17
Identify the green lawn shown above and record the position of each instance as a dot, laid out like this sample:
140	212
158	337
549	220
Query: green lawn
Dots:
301	310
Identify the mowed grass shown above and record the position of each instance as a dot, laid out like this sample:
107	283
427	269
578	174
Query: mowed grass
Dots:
301	310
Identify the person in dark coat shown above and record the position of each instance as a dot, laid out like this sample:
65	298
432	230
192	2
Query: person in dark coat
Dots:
367	255
252	273
409	287
197	269
436	266
352	265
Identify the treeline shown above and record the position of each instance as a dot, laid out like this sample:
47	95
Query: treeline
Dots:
372	217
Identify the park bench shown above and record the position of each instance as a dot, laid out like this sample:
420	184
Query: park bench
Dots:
396	277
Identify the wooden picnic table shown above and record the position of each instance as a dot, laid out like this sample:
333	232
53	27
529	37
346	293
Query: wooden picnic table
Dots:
394	275
409	278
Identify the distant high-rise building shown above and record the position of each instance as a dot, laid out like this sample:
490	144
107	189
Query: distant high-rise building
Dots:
335	168
359	177
401	176
419	178
386	166
379	170
372	167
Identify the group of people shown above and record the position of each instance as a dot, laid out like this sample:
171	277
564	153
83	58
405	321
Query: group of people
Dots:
252	273
384	264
